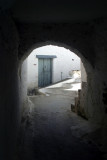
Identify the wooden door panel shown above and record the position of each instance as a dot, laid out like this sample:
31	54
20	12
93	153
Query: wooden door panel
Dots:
45	72
40	73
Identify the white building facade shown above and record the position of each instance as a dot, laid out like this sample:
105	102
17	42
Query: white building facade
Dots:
61	62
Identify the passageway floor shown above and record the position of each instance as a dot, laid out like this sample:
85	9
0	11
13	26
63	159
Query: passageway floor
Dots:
53	132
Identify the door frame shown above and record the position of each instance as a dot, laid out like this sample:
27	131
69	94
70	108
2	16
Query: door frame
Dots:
51	60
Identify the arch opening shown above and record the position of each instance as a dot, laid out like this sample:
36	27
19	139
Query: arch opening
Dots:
32	83
85	63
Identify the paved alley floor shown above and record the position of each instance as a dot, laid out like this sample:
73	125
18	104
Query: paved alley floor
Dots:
53	132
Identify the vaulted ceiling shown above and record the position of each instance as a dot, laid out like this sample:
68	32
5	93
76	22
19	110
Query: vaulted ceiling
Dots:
55	10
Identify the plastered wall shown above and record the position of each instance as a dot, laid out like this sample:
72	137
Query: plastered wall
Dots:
62	66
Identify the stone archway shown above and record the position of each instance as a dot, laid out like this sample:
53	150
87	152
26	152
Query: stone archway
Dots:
77	37
72	37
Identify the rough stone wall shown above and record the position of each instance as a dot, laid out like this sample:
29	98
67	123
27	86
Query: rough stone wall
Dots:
99	81
93	97
83	73
80	101
23	86
9	90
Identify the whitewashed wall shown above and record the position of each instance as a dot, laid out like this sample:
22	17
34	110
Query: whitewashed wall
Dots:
23	82
65	62
83	73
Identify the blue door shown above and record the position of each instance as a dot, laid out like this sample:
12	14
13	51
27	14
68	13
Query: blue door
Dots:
44	72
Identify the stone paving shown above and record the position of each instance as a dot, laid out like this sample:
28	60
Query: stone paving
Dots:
52	132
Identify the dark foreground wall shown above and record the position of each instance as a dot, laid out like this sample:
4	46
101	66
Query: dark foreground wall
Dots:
9	87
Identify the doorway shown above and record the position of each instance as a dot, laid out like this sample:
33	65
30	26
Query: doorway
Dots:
44	72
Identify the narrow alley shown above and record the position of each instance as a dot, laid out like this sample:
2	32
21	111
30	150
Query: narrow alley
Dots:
53	132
